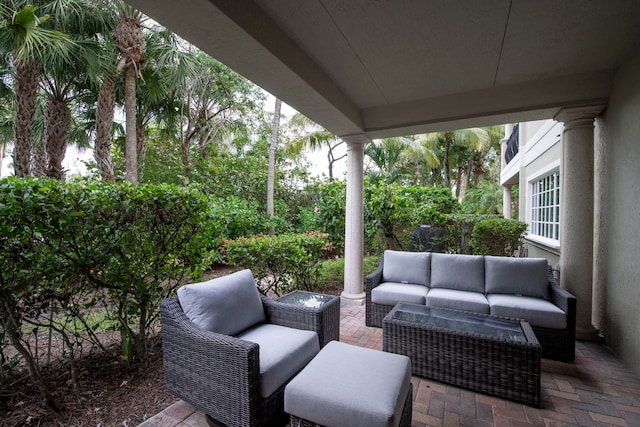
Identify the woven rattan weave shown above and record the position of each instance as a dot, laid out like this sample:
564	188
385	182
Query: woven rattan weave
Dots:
502	367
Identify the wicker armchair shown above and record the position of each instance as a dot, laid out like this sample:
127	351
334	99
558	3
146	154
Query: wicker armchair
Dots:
220	374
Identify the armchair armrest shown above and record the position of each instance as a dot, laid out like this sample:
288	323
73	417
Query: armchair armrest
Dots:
207	369
374	279
324	320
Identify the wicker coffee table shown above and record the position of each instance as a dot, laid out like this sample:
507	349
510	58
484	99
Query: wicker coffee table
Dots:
488	354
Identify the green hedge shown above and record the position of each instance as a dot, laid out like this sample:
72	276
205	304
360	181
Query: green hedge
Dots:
498	236
279	263
473	234
74	249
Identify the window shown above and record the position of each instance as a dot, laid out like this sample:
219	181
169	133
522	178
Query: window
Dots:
545	206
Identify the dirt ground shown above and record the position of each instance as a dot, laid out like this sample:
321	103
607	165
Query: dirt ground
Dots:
110	394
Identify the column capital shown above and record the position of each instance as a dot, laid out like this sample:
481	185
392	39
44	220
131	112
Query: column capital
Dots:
359	139
576	117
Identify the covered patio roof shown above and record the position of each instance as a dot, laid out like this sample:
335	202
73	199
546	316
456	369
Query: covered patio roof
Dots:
388	68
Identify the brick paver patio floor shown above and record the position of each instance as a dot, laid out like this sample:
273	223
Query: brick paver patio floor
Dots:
595	390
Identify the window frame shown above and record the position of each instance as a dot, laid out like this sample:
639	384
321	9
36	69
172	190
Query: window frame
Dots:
544	206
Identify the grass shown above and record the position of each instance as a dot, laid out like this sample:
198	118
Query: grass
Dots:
331	274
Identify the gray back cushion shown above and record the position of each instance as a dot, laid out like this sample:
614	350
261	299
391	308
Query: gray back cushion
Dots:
460	272
226	305
517	276
406	267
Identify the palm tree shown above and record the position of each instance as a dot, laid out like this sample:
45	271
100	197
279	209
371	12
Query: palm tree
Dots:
104	123
395	158
314	137
65	81
456	141
129	40
27	44
169	66
485	199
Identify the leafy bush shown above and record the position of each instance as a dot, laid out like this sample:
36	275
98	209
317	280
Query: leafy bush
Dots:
233	217
329	212
497	236
123	246
279	263
393	211
457	232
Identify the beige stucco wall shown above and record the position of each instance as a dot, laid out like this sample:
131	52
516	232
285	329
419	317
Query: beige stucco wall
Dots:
536	161
621	212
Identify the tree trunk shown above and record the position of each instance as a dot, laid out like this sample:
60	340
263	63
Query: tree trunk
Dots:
104	125
141	147
39	159
57	124
26	95
272	160
11	327
130	114
1	156
447	163
459	182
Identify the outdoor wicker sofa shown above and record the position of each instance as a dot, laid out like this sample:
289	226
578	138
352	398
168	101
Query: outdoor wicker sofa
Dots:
522	288
229	351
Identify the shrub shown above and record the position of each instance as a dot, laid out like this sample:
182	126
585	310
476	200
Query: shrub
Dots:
128	246
279	263
329	212
498	236
233	217
457	232
393	211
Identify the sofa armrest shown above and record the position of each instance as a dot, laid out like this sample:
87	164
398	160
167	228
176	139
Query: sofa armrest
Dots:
561	297
207	369
323	320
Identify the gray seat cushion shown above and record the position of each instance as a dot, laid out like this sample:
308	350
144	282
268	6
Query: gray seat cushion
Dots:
458	300
391	293
517	276
406	267
536	311
350	386
226	305
283	352
461	272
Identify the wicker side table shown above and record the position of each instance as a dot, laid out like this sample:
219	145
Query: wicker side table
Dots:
488	354
325	308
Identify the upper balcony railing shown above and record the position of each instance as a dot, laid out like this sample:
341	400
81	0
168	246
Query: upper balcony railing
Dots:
513	145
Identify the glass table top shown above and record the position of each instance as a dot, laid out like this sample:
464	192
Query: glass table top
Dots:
307	299
461	321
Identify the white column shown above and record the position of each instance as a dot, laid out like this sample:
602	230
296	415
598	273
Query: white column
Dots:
600	226
354	222
577	212
506	201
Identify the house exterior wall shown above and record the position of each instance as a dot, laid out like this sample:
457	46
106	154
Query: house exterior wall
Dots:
540	153
619	131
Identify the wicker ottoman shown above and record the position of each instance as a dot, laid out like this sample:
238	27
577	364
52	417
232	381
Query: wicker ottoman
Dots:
351	386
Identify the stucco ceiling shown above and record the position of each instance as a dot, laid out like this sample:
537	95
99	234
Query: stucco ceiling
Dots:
384	68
